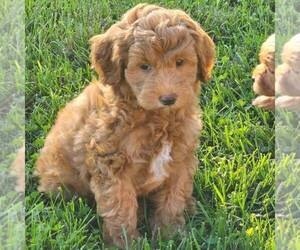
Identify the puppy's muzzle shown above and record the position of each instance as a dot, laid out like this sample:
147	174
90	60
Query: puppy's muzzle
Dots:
168	99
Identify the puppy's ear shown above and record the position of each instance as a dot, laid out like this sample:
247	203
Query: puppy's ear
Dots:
205	48
109	55
206	53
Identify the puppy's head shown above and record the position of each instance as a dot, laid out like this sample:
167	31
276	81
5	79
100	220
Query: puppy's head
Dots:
267	53
161	54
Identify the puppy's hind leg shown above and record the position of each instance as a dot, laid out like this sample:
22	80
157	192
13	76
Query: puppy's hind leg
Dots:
56	176
49	173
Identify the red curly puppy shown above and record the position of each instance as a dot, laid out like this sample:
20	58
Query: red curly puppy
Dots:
134	131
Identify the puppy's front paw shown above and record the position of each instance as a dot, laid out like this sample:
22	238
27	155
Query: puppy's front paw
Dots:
119	237
167	228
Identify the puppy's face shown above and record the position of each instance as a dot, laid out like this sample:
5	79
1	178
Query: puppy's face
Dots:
162	68
161	54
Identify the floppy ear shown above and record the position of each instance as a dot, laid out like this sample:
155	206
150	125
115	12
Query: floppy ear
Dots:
205	48
206	53
109	55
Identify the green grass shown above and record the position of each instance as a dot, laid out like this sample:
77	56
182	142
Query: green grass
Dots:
234	185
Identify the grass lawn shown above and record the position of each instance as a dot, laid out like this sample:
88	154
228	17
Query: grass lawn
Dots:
234	185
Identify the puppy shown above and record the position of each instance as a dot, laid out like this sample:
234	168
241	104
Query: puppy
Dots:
264	76
133	132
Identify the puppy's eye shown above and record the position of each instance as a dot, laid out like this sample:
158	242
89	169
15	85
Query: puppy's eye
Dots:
179	62
145	67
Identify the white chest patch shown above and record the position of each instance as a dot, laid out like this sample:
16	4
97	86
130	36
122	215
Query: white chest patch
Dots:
160	161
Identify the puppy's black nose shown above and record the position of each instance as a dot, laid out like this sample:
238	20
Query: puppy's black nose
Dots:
168	99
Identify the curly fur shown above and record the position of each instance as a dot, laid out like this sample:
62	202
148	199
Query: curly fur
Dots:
116	142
